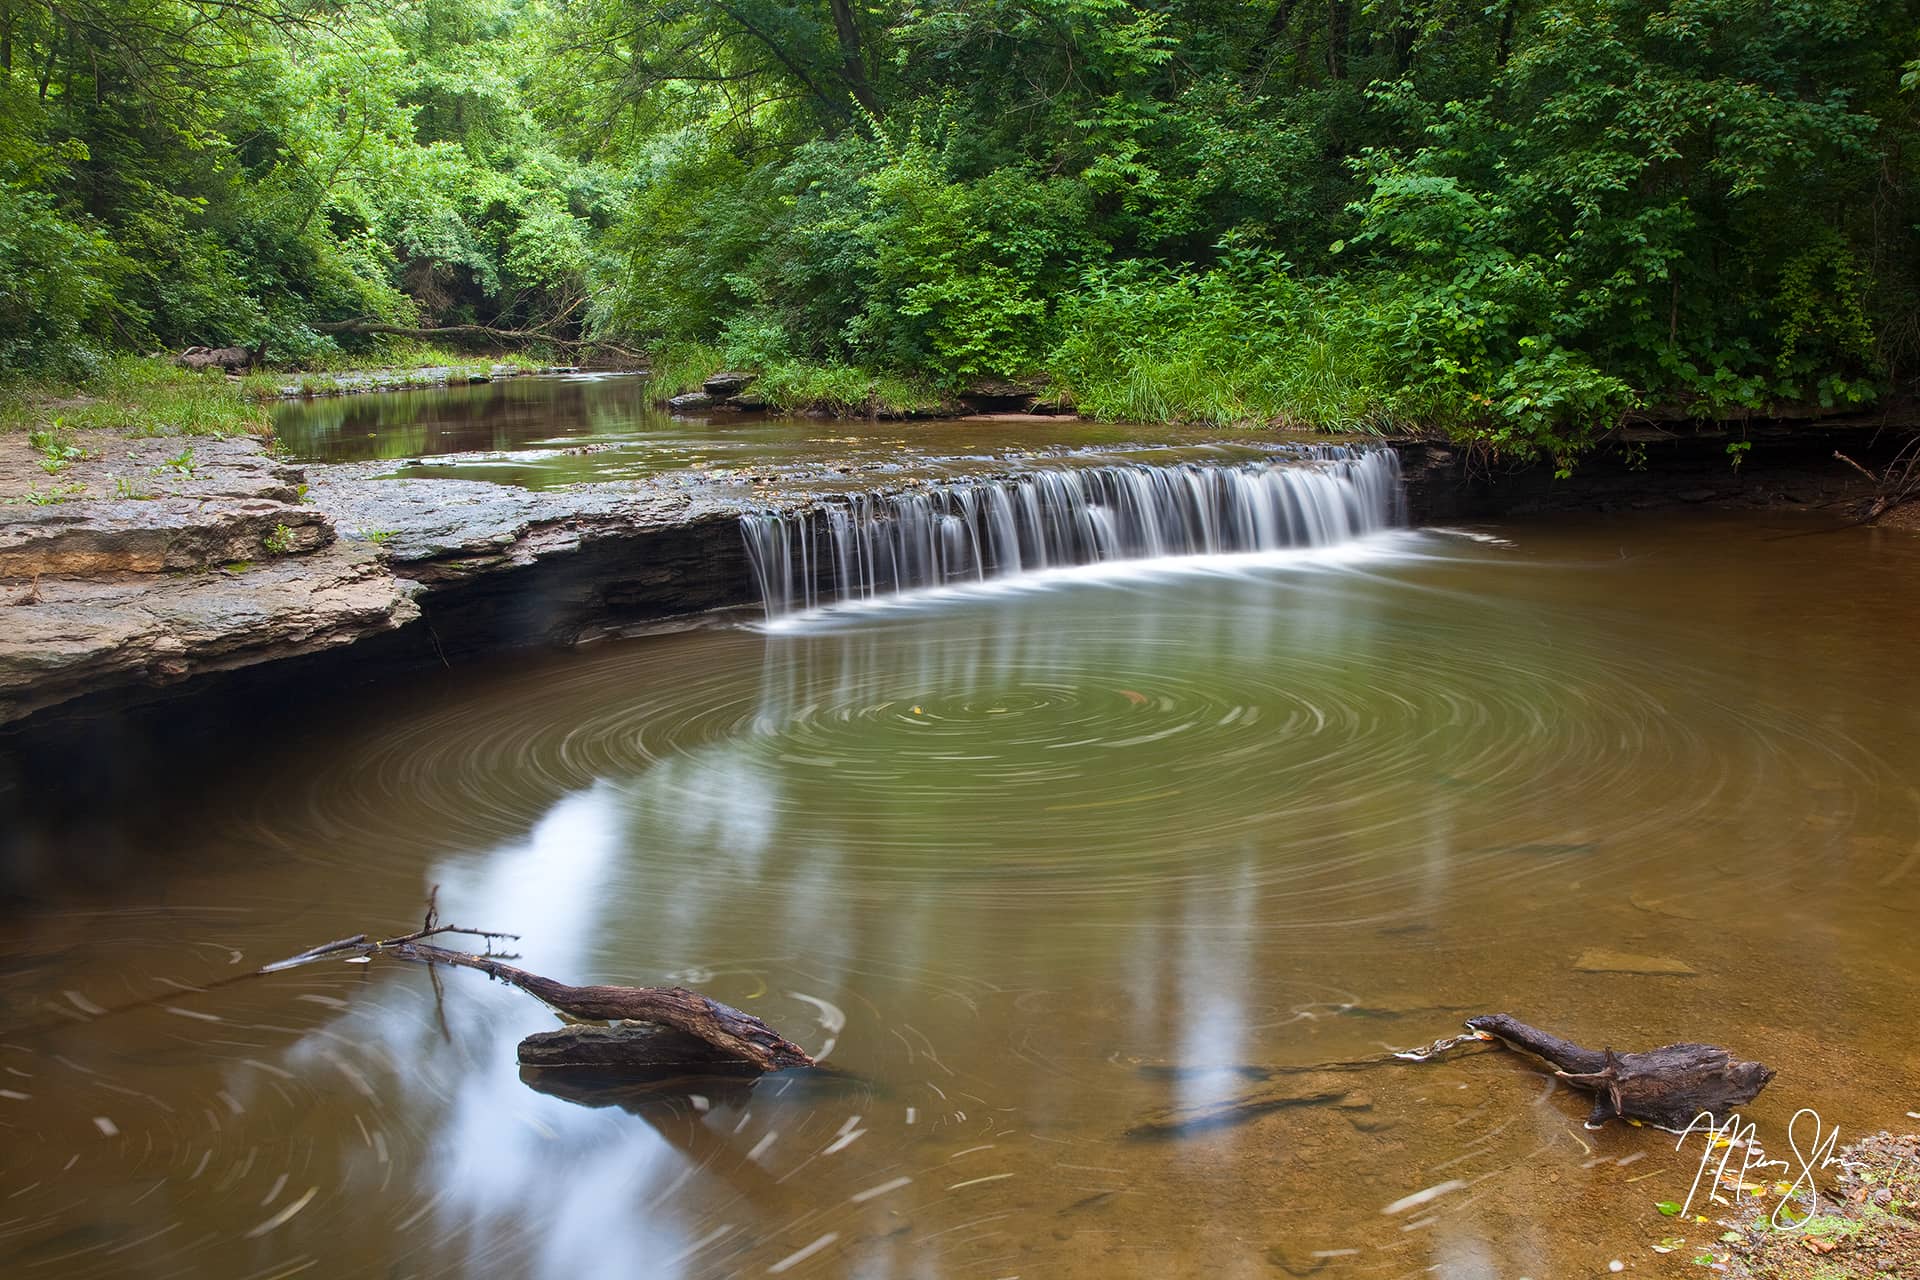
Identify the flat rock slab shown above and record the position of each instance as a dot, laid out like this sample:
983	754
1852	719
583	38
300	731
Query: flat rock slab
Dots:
150	505
64	637
435	528
1600	960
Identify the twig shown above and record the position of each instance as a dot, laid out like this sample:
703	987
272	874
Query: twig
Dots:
1856	466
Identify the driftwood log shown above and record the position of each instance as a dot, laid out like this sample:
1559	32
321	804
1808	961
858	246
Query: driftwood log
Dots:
1668	1087
627	1047
724	1036
231	359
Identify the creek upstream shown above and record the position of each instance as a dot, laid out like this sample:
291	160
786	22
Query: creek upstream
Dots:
1031	863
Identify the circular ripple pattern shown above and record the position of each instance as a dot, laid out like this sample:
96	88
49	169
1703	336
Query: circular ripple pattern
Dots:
1039	864
1089	741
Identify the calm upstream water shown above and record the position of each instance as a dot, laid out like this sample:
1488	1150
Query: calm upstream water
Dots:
543	433
1052	872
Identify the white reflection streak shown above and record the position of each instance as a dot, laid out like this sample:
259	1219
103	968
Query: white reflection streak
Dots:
1214	986
509	1161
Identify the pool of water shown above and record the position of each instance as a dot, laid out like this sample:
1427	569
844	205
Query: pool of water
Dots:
1055	874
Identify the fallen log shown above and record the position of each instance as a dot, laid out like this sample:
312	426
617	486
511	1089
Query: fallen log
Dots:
1668	1087
729	1035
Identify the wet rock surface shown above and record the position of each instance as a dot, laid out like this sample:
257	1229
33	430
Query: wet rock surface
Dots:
439	529
130	564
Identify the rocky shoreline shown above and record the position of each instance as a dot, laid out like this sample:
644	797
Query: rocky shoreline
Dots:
234	559
399	378
174	559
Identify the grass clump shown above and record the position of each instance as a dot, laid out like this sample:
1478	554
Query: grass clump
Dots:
679	367
38	497
794	386
133	394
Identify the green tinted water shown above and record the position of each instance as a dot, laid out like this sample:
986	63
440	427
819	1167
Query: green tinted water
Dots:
1039	870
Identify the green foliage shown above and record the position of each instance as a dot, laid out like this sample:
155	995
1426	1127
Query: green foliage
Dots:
682	366
1514	222
129	393
188	171
279	542
55	446
793	385
38	497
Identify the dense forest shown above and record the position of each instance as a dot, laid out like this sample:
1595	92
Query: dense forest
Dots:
1516	220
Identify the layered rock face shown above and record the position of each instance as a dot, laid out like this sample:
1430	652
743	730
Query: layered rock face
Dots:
141	563
145	561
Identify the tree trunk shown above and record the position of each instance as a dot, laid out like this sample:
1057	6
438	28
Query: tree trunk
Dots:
853	65
1339	36
1504	49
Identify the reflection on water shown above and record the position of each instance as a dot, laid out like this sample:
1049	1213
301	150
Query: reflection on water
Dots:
1027	868
546	432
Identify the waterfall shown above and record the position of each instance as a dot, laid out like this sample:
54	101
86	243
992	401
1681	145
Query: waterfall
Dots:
869	545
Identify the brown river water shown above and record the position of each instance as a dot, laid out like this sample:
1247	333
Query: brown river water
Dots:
1049	877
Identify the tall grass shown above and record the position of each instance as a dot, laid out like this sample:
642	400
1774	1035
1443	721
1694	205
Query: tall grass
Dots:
1240	345
679	367
142	396
796	386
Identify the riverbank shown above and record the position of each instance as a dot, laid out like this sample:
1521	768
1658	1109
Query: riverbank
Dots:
1864	1223
134	564
147	396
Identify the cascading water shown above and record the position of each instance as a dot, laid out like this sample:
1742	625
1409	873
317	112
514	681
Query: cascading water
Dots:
872	545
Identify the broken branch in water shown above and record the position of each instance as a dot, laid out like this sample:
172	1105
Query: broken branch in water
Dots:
1668	1087
731	1035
